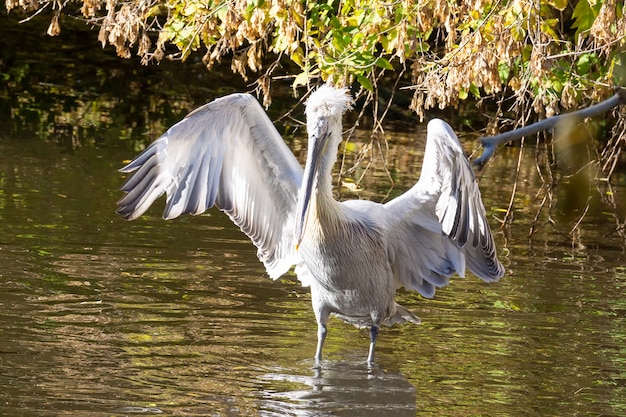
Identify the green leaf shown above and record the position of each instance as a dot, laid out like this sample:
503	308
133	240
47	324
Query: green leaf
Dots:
384	63
584	15
504	71
249	10
557	86
618	64
585	62
474	90
365	82
547	28
301	79
558	4
297	56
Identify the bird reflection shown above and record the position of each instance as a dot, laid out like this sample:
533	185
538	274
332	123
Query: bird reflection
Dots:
339	389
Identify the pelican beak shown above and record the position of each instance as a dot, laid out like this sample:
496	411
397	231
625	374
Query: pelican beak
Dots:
304	200
317	144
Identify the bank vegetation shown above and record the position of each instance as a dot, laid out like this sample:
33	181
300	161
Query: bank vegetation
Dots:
527	59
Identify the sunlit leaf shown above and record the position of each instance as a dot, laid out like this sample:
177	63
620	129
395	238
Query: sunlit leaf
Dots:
558	4
301	79
297	56
350	147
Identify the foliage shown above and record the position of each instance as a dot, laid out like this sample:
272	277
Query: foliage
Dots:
531	58
554	54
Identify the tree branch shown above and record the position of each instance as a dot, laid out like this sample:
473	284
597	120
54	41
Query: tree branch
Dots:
491	143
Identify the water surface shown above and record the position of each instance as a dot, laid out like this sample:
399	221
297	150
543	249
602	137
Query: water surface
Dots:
103	317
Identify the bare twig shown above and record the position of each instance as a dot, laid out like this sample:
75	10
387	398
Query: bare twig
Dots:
40	10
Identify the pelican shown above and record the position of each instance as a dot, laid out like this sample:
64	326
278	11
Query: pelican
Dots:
352	254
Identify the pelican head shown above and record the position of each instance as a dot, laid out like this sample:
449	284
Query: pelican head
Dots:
324	110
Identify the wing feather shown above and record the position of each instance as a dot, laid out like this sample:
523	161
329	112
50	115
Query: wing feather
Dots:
440	225
226	153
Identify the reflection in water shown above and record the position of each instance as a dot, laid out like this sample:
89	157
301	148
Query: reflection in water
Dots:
338	389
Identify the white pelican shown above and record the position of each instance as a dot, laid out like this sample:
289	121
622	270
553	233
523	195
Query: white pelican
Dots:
353	254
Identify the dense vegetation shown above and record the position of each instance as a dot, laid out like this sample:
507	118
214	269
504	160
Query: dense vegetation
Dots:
528	59
548	55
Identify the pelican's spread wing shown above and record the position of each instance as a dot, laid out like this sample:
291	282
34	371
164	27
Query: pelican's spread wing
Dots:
440	225
226	153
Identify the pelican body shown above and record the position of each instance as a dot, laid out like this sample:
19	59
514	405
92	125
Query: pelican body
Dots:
353	254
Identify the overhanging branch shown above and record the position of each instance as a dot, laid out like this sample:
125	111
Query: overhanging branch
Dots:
491	143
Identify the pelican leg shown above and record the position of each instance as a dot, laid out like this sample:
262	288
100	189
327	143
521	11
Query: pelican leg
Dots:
321	336
373	336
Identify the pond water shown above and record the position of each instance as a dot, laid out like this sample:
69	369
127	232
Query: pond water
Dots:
103	317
